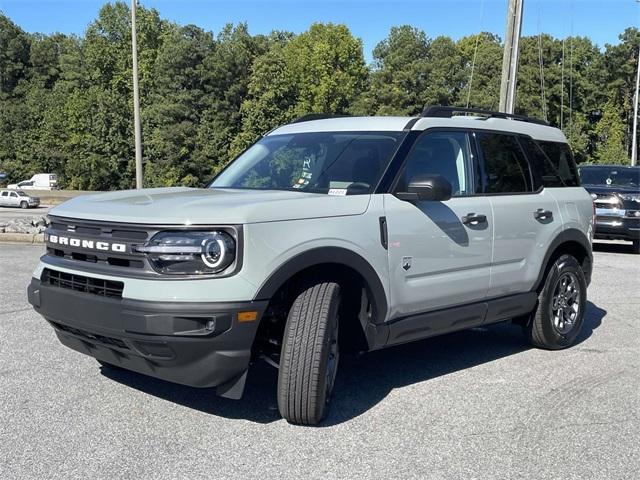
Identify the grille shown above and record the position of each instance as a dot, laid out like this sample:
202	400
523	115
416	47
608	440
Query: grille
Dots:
94	231
94	337
80	283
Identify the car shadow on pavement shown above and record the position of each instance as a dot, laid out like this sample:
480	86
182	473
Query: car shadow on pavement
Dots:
363	380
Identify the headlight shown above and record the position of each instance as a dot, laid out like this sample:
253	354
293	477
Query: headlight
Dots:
634	197
190	252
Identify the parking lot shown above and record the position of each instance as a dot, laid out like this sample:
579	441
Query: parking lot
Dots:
476	404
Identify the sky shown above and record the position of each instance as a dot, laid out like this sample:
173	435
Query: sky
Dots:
370	20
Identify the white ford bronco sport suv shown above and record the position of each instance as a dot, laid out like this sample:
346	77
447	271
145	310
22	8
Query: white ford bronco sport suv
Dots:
328	234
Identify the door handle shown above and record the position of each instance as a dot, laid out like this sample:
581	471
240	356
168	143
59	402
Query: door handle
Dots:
542	214
474	219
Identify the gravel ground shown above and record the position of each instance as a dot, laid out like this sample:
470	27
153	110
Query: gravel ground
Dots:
477	404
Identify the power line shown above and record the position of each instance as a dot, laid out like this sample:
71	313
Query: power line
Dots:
541	61
475	53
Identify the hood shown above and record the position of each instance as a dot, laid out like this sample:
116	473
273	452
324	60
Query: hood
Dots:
610	189
195	206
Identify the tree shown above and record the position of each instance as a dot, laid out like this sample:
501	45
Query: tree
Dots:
610	131
620	65
400	74
66	106
319	71
483	89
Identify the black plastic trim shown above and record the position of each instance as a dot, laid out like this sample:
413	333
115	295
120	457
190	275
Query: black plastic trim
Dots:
569	235
309	117
328	255
445	111
451	319
384	234
411	123
167	340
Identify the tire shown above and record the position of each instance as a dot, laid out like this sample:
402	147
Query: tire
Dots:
310	354
24	205
636	247
559	315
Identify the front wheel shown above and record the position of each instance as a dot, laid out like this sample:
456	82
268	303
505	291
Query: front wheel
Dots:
310	354
24	205
636	247
562	302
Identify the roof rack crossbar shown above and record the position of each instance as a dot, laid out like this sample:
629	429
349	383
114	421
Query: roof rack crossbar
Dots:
317	116
442	111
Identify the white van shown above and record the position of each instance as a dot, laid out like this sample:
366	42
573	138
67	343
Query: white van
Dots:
40	181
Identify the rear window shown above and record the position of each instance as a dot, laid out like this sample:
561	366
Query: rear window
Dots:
560	156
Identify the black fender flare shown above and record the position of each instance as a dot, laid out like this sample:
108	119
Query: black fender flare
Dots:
569	235
328	255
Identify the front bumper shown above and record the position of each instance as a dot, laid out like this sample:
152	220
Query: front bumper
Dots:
617	227
195	344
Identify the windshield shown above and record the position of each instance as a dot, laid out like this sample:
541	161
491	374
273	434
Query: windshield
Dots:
328	162
613	176
22	194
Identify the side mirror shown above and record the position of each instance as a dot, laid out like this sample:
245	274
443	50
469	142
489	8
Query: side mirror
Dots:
433	188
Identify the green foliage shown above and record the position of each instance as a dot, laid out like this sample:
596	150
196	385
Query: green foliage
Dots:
611	135
66	101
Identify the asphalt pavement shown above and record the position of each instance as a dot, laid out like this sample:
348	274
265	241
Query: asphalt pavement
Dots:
477	404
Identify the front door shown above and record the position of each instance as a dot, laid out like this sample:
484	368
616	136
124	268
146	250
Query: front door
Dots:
439	252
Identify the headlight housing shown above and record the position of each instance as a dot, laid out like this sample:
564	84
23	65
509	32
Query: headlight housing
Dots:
190	252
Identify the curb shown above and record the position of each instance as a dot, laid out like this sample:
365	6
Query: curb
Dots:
32	238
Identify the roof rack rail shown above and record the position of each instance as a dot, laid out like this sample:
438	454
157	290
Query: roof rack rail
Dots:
442	111
317	116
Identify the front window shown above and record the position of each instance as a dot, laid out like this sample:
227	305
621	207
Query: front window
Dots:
612	176
22	194
338	163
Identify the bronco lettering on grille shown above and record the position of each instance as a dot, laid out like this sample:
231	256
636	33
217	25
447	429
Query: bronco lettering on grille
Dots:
88	244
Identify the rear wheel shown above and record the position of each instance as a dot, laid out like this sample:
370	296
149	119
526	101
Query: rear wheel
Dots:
24	205
310	354
636	247
562	302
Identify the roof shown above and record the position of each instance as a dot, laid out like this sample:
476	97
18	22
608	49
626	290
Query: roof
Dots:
397	124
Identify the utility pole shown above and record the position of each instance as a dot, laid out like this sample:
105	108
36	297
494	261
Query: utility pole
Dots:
634	140
510	57
136	97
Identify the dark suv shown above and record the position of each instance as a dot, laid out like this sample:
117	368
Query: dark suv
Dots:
615	190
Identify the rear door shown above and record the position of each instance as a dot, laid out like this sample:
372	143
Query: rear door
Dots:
439	256
4	198
526	216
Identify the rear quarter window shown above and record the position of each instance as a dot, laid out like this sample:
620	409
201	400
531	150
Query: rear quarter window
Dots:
559	154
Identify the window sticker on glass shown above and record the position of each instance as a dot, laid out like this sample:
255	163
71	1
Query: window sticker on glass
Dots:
339	192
